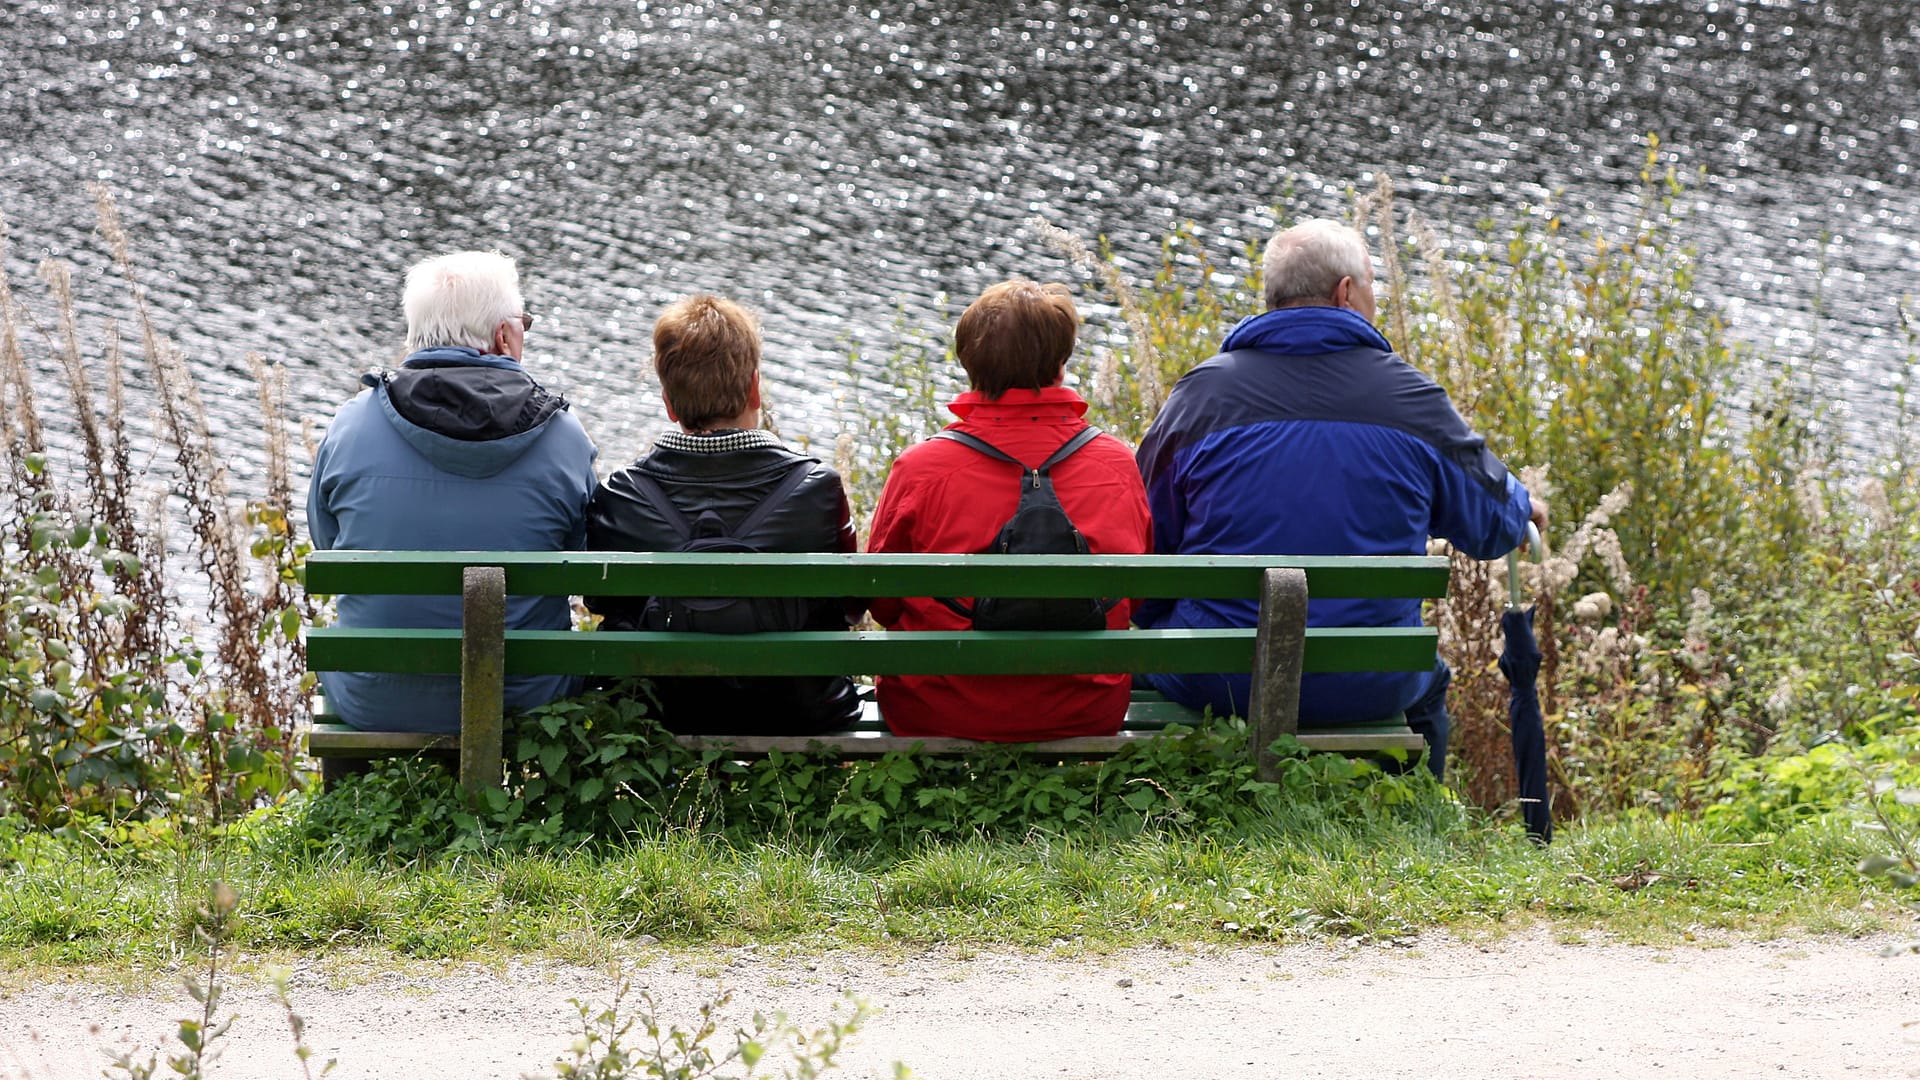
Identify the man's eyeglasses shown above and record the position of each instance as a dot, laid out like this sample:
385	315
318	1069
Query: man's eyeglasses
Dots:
527	319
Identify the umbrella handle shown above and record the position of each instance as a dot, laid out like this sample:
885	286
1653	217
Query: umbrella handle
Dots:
1515	601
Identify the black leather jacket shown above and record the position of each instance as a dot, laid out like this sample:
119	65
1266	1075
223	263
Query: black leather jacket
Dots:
730	476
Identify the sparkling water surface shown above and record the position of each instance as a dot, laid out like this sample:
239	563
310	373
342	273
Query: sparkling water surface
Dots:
842	167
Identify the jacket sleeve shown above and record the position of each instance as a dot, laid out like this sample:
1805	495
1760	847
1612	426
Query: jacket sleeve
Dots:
1482	521
1477	505
1166	511
1143	526
588	484
322	527
892	531
847	541
616	612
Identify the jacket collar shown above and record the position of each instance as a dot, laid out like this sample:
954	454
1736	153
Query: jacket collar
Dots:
719	442
469	413
1305	331
441	356
1055	403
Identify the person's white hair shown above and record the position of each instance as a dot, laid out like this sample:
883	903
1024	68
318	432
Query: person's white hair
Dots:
460	299
1305	262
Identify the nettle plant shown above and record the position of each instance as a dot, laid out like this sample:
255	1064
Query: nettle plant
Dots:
596	768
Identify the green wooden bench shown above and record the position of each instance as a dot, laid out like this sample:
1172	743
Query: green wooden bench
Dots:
1277	651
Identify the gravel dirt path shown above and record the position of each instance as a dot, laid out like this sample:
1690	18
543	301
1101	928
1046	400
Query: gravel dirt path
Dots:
1524	1006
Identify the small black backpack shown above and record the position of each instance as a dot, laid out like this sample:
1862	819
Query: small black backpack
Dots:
1039	526
707	532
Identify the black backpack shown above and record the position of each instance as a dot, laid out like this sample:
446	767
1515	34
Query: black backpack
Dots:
707	532
1039	526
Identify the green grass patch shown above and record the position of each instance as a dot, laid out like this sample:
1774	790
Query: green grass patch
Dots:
68	901
1176	843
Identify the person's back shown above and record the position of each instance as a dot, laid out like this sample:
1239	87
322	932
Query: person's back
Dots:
949	496
723	483
1308	436
458	449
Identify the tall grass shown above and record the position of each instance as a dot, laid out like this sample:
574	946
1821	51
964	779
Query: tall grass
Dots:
114	698
1308	874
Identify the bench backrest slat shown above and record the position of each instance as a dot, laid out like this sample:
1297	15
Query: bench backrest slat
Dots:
559	652
723	574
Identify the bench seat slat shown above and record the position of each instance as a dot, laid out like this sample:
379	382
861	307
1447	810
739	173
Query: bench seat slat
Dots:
868	574
560	652
340	741
873	744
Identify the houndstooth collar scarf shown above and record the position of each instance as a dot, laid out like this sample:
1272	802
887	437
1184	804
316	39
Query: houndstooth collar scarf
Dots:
719	442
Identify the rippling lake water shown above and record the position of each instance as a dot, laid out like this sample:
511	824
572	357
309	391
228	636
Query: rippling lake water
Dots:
841	166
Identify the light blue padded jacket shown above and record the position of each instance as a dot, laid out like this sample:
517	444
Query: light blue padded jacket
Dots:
456	451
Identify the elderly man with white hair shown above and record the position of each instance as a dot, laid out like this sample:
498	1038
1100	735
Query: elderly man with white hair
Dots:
1307	435
458	449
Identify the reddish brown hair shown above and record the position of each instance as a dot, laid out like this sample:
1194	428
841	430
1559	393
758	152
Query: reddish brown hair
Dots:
706	351
1017	336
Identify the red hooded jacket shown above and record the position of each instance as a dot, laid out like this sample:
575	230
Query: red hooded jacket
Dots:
943	496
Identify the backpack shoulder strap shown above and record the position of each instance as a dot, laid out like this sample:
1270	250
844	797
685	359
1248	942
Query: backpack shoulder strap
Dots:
794	478
975	443
1067	450
654	495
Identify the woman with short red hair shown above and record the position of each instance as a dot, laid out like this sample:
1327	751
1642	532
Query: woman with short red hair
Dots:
957	494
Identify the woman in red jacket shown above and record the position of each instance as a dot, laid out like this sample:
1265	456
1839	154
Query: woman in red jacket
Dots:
949	496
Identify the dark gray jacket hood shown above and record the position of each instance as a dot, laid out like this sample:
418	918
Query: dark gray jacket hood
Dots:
469	413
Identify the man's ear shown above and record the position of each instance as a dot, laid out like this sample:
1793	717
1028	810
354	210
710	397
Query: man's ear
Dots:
1343	293
668	402
753	392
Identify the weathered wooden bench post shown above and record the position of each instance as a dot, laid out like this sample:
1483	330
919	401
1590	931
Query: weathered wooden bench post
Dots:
483	677
1279	655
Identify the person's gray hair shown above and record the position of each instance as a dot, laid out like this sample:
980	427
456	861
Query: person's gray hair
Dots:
460	299
1305	262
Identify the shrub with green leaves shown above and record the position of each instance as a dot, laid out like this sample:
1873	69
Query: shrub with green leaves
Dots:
596	768
113	700
1773	793
84	733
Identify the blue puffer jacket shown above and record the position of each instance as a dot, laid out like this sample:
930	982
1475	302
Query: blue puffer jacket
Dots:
456	451
1308	436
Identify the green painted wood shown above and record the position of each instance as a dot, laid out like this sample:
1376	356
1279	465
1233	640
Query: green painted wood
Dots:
1353	741
875	744
331	740
335	740
1158	714
1149	711
538	652
560	652
722	574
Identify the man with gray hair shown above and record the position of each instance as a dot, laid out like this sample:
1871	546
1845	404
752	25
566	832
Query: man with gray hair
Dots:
459	449
1306	435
